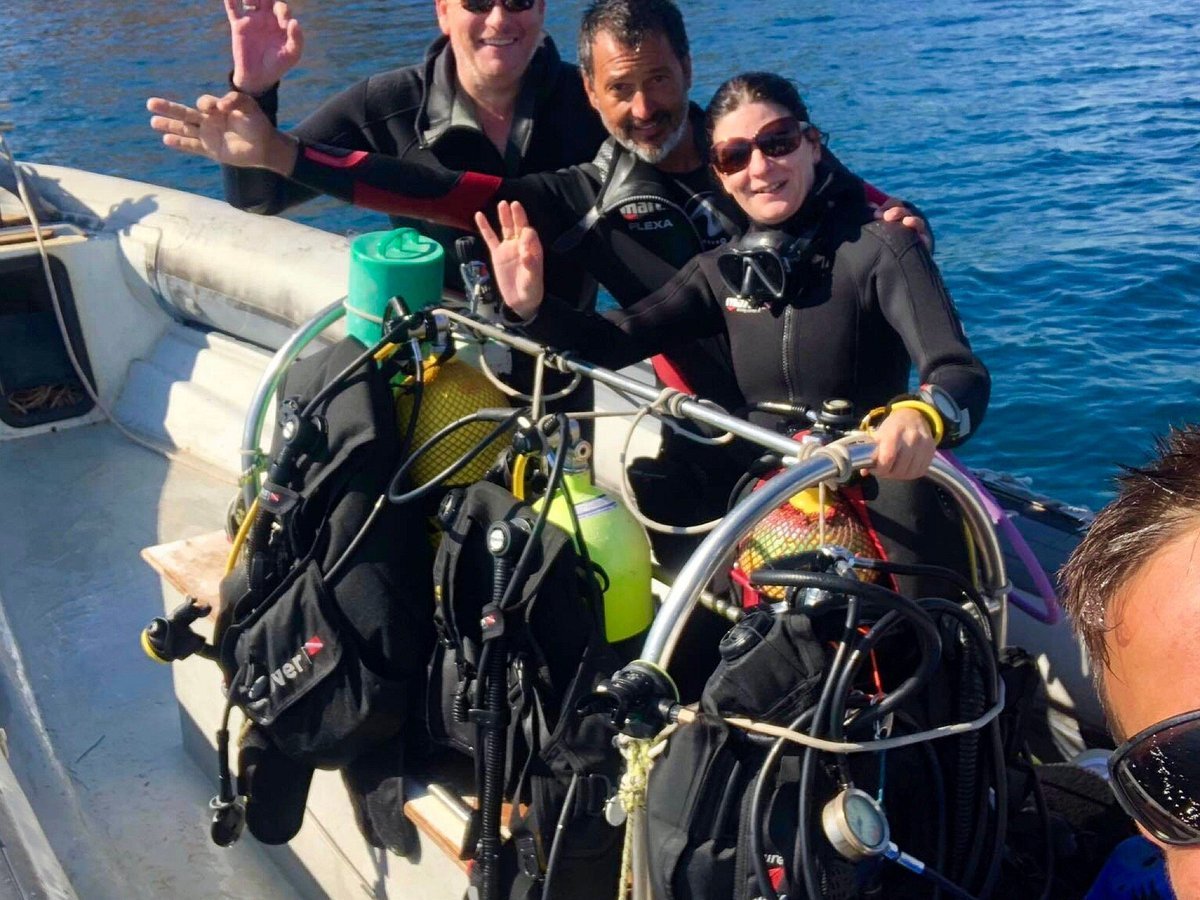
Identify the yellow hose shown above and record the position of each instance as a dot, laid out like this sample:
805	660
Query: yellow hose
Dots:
518	475
240	538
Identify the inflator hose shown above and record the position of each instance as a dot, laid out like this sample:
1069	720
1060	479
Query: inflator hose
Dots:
929	641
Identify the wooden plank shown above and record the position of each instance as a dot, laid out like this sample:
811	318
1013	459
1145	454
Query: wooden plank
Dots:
193	565
444	826
439	824
22	234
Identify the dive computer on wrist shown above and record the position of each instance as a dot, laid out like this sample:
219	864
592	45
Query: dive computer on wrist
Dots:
957	421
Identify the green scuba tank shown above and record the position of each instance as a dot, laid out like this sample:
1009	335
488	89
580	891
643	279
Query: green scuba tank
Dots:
615	541
385	264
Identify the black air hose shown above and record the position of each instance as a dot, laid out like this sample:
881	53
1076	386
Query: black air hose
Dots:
491	735
929	641
971	703
982	645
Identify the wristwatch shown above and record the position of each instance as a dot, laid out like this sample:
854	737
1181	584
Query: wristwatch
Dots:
955	419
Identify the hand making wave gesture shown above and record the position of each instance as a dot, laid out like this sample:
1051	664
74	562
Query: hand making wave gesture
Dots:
231	130
267	43
517	258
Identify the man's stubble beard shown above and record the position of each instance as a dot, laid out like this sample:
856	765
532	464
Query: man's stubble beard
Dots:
654	155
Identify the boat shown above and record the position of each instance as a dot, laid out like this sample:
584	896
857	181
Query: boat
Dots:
117	488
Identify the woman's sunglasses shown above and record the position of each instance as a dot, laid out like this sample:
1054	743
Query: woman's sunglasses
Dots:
1156	777
479	7
775	139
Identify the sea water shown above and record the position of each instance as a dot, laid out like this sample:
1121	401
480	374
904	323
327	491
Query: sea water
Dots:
1055	147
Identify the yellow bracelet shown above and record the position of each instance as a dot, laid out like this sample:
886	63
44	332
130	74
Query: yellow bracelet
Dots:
932	416
868	421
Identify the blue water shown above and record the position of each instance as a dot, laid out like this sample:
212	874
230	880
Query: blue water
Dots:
1054	146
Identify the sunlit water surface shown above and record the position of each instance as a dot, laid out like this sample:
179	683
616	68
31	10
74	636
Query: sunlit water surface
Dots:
1055	148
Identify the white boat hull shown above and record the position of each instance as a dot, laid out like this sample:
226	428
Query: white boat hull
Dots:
91	723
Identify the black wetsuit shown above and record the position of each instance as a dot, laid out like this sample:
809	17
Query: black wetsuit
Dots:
870	305
626	222
416	112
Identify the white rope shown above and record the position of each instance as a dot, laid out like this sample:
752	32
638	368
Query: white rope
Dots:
510	391
639	755
688	716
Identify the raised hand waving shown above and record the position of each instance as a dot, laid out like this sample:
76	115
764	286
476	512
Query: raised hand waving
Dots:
517	258
267	43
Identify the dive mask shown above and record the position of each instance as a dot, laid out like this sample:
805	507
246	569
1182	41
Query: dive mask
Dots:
763	267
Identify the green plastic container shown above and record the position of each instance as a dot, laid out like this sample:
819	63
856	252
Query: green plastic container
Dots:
386	264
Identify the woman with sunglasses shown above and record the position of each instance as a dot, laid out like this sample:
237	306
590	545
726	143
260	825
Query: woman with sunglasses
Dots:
818	299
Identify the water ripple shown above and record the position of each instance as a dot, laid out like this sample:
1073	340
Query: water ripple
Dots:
1053	147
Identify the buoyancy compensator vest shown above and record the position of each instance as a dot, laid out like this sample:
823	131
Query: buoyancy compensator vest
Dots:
739	815
697	802
558	767
326	621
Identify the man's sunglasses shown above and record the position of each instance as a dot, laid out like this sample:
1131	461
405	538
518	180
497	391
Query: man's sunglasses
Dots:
479	7
777	138
1156	777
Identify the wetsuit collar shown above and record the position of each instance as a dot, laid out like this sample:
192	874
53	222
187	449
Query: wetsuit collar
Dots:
832	182
442	108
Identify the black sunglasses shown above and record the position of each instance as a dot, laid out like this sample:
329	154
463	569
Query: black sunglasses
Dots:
1156	777
777	138
479	7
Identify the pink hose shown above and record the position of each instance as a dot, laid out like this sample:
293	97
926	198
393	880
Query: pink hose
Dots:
1049	613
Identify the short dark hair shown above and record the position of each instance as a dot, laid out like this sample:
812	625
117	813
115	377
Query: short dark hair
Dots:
1154	505
754	87
629	22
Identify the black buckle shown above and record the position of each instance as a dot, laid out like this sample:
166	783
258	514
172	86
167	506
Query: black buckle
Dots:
529	856
592	794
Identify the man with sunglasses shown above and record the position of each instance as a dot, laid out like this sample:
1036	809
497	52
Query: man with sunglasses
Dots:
629	219
491	96
1133	594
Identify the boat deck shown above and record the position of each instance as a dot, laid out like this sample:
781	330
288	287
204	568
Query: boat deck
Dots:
92	725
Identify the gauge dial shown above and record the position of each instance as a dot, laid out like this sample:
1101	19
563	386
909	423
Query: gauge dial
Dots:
855	824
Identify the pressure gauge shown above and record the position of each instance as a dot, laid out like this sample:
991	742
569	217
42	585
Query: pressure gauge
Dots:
855	824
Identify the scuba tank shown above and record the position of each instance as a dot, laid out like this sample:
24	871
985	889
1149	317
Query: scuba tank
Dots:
615	542
452	389
796	527
808	521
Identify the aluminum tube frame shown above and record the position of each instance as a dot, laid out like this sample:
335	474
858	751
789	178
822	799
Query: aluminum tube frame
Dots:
995	579
695	410
996	585
716	547
256	413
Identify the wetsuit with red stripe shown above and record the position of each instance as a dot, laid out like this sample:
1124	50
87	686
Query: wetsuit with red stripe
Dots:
627	223
420	110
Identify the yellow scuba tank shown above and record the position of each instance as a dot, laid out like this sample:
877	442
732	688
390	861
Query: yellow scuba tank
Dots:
615	541
452	389
796	527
